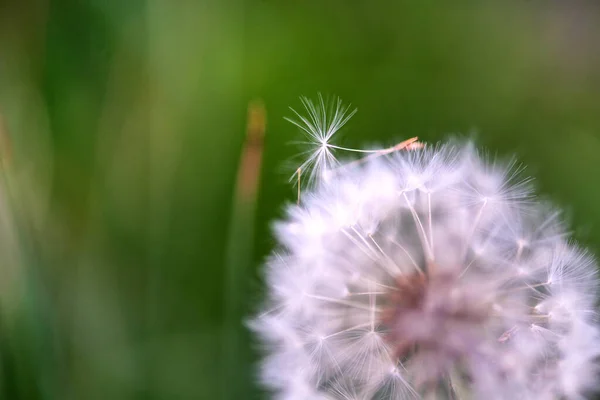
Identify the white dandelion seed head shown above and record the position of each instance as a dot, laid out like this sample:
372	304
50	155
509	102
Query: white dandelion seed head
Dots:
430	273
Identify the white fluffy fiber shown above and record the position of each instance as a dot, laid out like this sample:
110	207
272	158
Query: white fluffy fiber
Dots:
507	310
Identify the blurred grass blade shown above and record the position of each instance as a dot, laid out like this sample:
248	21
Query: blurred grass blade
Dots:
236	369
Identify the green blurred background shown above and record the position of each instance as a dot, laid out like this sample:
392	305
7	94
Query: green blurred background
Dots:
128	261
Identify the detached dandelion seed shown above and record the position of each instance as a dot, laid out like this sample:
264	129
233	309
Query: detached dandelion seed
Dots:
429	273
323	121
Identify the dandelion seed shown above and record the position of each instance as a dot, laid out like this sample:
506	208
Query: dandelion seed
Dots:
324	120
319	126
432	273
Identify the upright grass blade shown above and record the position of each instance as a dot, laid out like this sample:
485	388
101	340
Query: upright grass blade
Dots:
29	360
239	256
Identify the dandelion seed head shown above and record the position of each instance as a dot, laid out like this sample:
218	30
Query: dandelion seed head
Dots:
426	273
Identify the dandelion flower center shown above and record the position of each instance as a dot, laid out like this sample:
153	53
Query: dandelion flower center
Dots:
418	298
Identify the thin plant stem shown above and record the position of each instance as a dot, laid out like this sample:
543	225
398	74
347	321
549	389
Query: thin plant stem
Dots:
239	256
